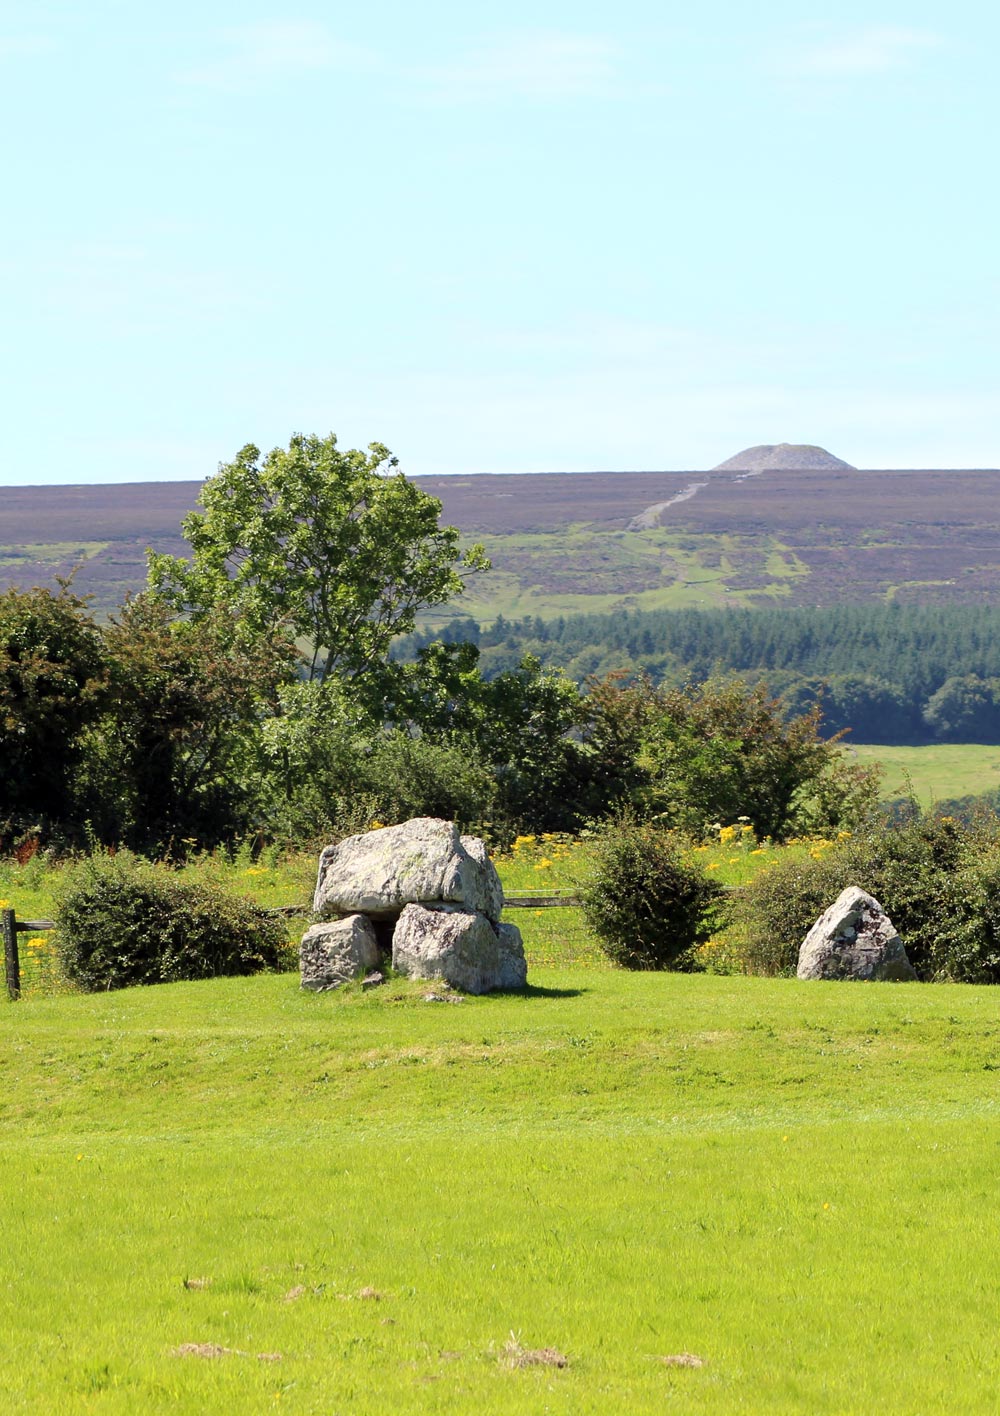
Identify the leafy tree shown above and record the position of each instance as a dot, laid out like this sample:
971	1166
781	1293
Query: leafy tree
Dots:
526	728
723	751
177	755
332	768
443	693
966	708
621	711
717	751
52	679
337	547
523	725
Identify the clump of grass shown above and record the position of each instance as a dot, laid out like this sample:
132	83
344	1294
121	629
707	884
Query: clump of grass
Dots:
514	1354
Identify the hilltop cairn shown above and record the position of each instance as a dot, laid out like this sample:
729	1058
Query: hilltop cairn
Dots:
780	457
419	893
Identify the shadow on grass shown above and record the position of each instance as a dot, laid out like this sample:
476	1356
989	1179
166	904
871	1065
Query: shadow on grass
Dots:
532	990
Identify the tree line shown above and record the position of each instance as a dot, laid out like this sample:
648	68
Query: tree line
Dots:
251	689
887	673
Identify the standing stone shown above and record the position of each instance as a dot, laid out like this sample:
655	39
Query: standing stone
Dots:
854	939
422	861
332	954
463	948
513	970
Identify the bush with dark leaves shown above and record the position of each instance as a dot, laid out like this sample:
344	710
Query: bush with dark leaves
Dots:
648	904
123	921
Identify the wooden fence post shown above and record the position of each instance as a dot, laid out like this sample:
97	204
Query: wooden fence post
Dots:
12	964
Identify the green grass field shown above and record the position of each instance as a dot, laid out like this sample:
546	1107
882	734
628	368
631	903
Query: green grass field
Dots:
935	773
231	1196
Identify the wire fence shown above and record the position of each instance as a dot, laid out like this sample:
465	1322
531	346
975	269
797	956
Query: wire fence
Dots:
551	922
31	964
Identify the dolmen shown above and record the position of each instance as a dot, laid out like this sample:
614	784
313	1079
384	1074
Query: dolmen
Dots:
854	939
420	895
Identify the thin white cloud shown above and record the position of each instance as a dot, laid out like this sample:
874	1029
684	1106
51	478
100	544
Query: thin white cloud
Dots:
264	53
20	46
538	64
534	64
876	49
130	290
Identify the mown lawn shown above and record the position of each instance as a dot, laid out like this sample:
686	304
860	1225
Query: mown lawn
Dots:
360	1196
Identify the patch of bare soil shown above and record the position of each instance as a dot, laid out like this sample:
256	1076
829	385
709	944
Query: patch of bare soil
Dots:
514	1355
204	1349
212	1350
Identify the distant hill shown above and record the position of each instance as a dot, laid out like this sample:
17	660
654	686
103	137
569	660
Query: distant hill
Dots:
780	457
103	530
562	543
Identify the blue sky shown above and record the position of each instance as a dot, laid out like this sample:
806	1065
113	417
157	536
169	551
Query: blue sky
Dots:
499	239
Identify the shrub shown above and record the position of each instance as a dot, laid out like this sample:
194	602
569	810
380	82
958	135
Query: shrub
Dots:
124	921
412	776
720	751
938	880
772	914
648	905
971	952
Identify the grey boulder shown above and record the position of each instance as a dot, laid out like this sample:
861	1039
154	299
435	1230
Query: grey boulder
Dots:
854	939
461	947
422	861
332	954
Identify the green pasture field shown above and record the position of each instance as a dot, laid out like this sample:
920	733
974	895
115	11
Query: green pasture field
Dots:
703	1194
934	773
